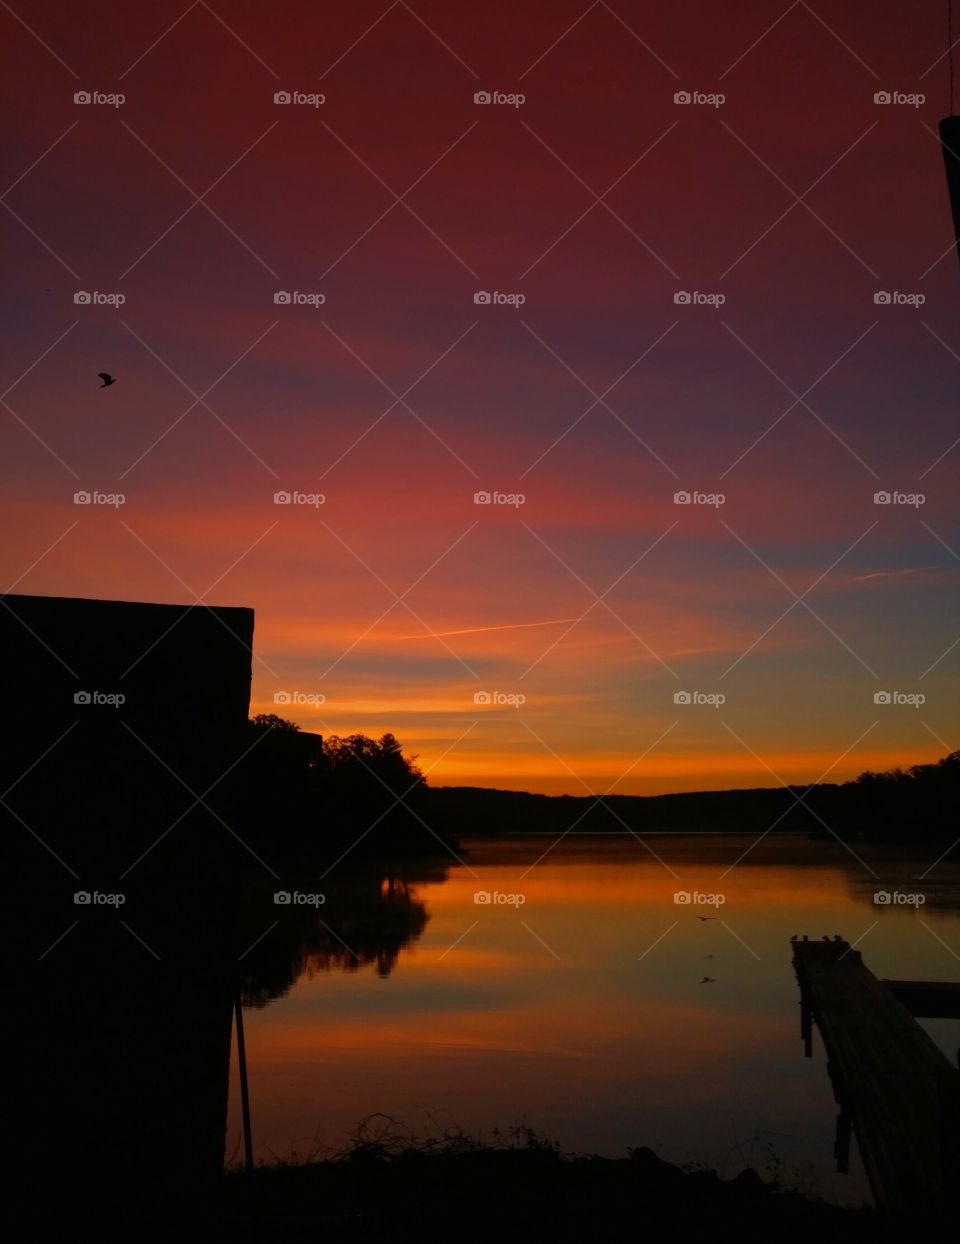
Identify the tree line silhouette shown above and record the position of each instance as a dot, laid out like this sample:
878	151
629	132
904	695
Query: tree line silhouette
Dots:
311	798
897	805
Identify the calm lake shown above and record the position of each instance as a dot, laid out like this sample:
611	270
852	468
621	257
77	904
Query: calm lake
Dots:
580	1007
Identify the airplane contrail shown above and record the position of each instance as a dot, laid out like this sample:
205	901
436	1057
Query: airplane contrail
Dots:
476	630
890	574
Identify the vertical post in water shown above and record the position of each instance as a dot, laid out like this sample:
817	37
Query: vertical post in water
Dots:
244	1086
841	1148
806	1023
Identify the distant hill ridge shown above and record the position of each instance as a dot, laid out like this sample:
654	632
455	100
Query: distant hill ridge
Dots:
919	802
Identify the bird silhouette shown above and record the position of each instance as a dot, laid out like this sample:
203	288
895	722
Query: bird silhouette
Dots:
709	956
706	917
106	378
708	980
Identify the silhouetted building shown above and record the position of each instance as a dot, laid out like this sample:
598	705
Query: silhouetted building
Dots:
121	820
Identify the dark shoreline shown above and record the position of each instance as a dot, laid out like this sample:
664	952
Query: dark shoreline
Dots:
875	807
513	1193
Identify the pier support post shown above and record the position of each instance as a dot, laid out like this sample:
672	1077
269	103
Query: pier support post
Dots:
841	1148
806	1024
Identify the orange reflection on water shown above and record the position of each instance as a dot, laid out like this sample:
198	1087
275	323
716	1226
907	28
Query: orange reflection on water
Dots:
584	1008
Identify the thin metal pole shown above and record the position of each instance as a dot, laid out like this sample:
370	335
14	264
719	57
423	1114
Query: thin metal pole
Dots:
244	1086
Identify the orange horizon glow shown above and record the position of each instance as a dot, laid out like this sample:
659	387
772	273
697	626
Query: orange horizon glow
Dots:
396	593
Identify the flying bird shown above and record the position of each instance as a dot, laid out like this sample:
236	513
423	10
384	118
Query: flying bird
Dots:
709	980
706	917
106	378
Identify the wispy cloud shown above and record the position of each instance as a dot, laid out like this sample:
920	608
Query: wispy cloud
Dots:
477	630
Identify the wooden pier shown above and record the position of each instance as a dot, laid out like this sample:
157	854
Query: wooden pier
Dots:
895	1088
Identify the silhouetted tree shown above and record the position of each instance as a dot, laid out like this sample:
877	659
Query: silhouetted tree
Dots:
308	801
371	785
382	759
271	721
918	802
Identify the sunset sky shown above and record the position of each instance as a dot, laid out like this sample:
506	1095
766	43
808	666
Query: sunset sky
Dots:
598	199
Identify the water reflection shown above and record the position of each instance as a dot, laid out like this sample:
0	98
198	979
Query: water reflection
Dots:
585	1008
353	920
125	1037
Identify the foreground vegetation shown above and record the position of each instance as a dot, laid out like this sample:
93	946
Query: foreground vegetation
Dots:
388	1185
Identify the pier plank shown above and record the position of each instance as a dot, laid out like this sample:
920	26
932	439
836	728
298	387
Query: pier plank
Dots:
898	1089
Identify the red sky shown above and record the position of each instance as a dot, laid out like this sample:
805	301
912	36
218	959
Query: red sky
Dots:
798	199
